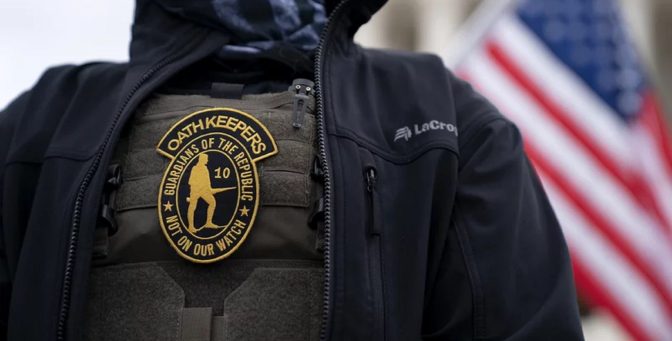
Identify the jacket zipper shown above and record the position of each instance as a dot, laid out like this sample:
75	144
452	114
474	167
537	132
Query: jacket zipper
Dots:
79	199
77	212
375	257
321	130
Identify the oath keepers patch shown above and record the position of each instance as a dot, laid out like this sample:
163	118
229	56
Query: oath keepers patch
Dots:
209	194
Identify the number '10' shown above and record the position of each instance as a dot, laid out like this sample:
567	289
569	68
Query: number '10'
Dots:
222	172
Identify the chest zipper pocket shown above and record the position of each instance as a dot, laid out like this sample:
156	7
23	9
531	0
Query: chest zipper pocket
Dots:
375	251
375	227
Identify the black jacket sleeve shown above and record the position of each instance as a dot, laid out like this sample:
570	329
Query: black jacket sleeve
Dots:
506	268
8	117
4	271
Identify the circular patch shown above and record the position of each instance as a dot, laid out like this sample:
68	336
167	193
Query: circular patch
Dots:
209	194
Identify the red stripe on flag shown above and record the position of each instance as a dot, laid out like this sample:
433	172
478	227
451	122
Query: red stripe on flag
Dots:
590	287
652	118
601	225
631	181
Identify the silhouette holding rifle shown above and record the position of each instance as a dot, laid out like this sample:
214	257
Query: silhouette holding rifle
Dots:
200	188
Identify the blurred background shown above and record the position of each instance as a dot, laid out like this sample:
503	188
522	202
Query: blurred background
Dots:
434	26
588	78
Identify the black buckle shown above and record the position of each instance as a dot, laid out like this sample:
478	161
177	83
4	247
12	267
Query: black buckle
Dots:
316	172
107	218
317	213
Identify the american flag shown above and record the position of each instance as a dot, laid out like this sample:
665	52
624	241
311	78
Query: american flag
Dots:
567	73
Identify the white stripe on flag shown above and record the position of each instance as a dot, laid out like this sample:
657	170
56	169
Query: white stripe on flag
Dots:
653	168
635	296
586	110
567	90
580	104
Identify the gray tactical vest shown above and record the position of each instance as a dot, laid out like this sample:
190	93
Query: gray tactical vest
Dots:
269	288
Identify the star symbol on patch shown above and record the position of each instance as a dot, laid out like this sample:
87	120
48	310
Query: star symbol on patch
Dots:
244	211
168	206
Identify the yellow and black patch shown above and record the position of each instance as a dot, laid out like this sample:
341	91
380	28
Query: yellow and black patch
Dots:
209	194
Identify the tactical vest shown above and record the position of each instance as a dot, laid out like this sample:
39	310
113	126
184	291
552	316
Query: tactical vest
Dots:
270	287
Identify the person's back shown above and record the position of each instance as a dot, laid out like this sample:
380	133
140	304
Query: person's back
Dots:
134	208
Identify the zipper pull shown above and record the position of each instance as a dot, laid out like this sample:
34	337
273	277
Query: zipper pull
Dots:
302	89
376	223
370	179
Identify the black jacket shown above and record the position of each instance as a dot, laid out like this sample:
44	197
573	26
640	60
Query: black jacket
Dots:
430	233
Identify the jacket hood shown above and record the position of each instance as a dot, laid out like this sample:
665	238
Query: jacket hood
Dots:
162	26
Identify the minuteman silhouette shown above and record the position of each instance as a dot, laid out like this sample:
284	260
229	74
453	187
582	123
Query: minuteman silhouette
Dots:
200	187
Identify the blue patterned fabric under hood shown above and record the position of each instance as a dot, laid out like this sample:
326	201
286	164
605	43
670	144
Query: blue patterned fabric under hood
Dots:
257	25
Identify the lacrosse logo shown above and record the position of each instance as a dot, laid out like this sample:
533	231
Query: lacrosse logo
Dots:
403	133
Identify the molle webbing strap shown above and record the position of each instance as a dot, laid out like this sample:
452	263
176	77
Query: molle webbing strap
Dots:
284	178
233	300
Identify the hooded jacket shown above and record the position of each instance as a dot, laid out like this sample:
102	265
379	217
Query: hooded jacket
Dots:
436	225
